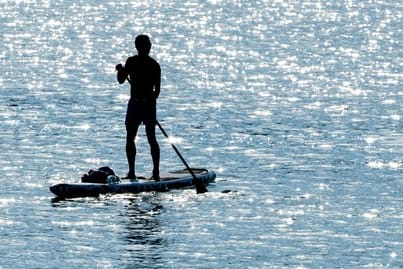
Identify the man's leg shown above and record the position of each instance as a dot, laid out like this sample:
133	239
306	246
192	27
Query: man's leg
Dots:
155	149
131	132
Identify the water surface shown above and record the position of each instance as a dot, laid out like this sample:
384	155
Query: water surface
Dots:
295	104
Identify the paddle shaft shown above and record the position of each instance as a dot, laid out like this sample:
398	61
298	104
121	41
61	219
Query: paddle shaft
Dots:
200	188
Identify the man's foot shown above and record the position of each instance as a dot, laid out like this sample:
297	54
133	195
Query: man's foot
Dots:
156	178
156	174
130	176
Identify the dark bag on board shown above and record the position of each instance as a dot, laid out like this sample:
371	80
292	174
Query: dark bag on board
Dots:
99	175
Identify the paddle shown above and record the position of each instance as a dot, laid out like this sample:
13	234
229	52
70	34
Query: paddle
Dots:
200	188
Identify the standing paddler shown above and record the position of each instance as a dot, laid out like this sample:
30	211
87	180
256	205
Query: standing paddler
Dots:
144	76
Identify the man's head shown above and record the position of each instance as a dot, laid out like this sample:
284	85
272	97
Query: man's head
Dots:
143	44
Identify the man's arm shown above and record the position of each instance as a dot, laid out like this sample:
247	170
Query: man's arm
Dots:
157	85
122	73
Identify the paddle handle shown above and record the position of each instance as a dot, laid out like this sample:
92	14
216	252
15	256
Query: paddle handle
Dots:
200	188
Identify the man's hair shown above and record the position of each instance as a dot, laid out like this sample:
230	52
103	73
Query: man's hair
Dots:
143	44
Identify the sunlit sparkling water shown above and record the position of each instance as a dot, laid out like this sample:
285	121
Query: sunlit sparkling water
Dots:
296	105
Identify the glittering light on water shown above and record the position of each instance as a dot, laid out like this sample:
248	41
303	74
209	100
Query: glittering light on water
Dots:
175	140
84	126
122	97
263	113
6	222
5	202
394	165
377	164
83	223
215	104
372	214
370	139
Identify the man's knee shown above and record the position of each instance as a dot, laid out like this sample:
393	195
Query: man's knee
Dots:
150	130
131	132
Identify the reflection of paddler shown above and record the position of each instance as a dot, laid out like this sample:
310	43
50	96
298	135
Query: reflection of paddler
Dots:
144	75
142	233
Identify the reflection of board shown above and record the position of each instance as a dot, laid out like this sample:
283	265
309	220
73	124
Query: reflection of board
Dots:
173	180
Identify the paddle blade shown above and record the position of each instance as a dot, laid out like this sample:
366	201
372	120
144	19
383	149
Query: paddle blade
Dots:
200	188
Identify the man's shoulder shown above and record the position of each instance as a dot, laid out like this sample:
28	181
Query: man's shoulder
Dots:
130	61
153	60
132	58
148	61
153	64
136	58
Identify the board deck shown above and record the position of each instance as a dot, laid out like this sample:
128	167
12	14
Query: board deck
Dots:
172	180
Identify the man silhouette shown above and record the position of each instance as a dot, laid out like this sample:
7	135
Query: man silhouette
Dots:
144	76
